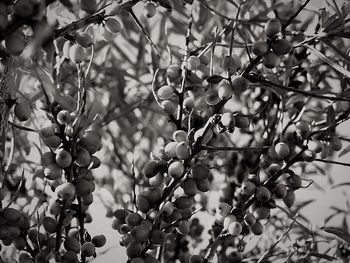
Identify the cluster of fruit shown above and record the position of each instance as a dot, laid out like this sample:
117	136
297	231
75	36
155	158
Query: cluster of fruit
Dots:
68	168
275	45
13	225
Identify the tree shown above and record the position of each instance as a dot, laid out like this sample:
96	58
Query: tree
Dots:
170	101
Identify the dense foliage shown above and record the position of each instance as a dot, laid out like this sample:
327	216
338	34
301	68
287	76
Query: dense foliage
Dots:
174	113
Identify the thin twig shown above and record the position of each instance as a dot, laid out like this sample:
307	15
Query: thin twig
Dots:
332	162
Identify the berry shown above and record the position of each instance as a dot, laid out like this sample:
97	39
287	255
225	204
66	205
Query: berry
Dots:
143	204
180	136
63	158
22	111
188	103
99	240
151	168
282	150
272	27
170	149
176	169
257	228
280	191
82	157
309	156
53	172
156	181
89	6
183	151
242	122
249	219
49	224
315	146
53	141
281	47
270	60
200	172
23	8
261	212
336	143
303	128
239	84
88	249
235	228
263	194
113	25
157	237
225	90
289	199
173	72
294	181
168	106
193	62
248	188
48	158
66	191
183	228
149	9
203	185
140	233
229	220
83	39
183	202
133	249
76	53
259	48
223	209
91	141
133	219
82	187
63	117
190	187
228	120
165	92
72	244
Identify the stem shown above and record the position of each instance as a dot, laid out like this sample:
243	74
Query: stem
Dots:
214	247
332	162
59	227
81	227
228	148
184	74
257	78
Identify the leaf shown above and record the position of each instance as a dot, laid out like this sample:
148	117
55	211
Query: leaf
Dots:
329	61
344	151
324	256
345	224
340	15
328	218
337	232
336	50
215	79
301	205
341	184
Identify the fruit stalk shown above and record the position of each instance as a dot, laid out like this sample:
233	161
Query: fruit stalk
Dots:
7	89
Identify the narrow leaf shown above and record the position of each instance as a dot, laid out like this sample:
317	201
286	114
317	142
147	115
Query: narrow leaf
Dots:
344	151
338	232
329	61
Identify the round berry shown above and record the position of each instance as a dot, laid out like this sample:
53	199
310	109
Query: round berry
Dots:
259	48
272	27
